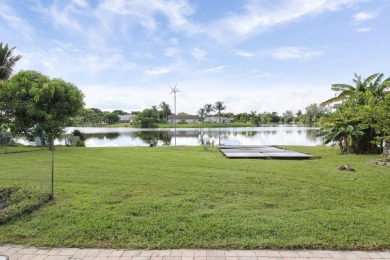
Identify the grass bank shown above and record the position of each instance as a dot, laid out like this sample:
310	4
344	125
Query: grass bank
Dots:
186	197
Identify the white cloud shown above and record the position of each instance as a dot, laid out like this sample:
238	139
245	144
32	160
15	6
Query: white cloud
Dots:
363	29
215	69
81	3
257	17
158	71
15	21
364	16
144	11
170	52
245	54
198	53
288	53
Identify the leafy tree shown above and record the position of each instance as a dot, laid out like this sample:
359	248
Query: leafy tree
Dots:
34	101
288	116
254	118
111	118
148	118
88	116
241	117
7	61
219	106
120	112
165	110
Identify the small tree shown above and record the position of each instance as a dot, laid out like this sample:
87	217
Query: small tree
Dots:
34	101
111	118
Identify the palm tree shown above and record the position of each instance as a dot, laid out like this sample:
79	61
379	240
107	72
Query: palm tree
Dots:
7	61
208	108
373	84
378	87
165	109
202	113
219	106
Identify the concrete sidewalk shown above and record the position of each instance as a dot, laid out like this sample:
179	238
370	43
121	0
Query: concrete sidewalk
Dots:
15	252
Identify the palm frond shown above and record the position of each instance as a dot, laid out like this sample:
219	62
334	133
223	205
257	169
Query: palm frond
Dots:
341	87
372	77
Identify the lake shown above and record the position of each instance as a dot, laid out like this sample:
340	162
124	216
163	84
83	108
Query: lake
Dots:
263	135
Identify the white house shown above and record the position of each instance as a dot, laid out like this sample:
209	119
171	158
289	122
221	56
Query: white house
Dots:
126	118
216	119
183	119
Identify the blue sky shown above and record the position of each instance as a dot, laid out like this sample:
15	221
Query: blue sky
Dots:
254	55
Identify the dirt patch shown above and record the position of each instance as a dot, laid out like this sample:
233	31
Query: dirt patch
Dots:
384	162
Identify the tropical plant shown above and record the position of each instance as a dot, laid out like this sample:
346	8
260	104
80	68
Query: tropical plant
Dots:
344	135
373	84
219	106
201	113
208	108
7	61
361	121
165	110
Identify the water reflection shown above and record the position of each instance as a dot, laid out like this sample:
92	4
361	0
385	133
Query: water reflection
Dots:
264	135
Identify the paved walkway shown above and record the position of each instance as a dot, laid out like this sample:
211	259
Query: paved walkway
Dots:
14	252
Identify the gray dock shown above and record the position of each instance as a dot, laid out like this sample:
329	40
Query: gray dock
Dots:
262	152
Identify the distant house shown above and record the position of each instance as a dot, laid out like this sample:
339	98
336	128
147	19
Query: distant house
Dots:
216	119
183	119
126	118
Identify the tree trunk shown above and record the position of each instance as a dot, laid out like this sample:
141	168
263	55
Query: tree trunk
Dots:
51	143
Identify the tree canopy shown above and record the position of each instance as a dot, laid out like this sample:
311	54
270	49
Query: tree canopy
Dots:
37	103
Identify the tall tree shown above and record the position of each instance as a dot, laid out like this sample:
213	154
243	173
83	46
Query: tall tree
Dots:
7	61
208	108
165	110
219	106
202	113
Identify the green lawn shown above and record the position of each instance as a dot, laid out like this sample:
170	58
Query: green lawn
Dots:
187	197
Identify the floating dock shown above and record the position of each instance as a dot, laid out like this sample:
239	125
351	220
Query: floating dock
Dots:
262	152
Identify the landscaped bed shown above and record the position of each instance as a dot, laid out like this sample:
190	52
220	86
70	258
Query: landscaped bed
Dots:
189	197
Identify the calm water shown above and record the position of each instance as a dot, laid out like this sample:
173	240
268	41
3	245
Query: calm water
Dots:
264	135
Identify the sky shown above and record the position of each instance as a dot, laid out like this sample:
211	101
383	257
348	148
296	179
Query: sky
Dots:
253	55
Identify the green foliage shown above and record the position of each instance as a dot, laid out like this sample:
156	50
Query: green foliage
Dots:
7	61
219	107
111	118
361	122
34	101
148	118
120	112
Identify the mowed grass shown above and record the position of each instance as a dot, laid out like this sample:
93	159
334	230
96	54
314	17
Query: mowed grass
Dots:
187	197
